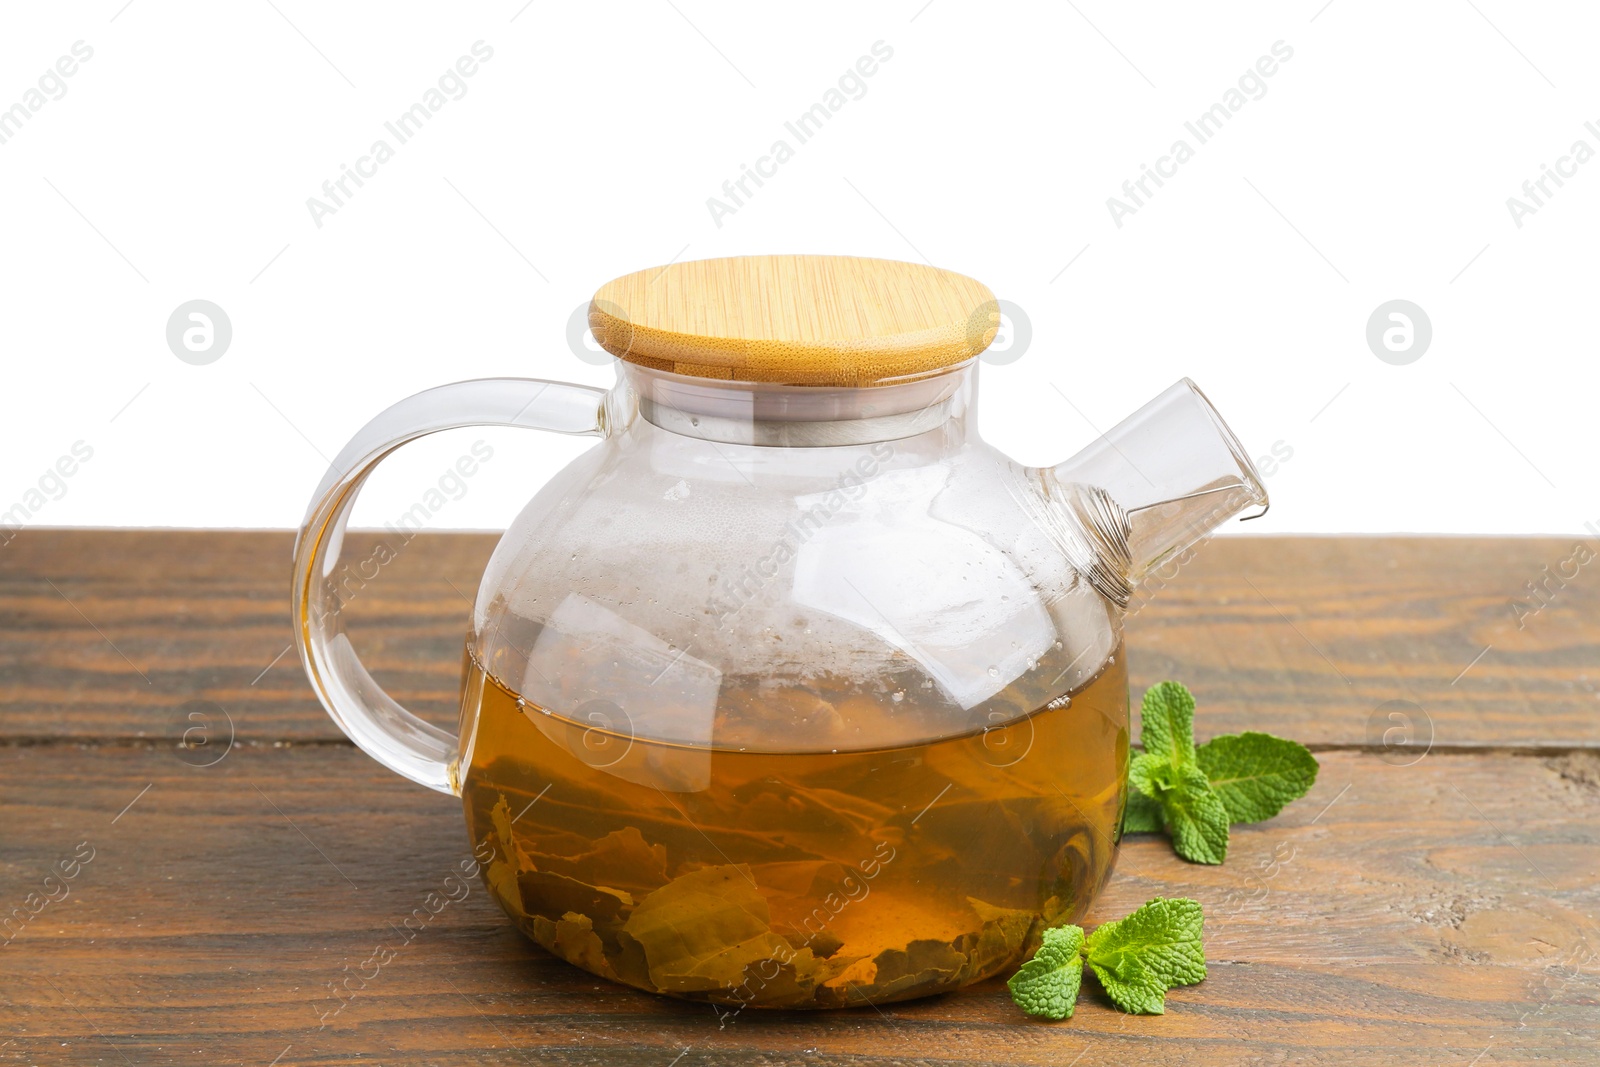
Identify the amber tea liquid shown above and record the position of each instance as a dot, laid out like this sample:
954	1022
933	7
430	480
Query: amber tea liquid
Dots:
794	879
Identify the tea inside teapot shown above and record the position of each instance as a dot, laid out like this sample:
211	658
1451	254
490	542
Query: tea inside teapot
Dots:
794	879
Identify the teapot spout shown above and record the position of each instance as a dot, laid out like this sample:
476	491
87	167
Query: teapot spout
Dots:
1174	471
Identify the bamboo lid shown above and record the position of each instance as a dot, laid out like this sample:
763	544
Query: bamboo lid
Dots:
796	320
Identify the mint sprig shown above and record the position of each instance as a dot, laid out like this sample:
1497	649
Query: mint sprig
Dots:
1195	792
1136	959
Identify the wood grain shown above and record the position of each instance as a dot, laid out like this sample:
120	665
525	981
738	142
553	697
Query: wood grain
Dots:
796	320
1423	905
1311	637
112	633
1397	915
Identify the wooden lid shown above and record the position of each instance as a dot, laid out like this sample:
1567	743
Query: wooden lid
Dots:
797	320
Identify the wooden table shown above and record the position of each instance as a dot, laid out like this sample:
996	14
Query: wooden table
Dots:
1428	903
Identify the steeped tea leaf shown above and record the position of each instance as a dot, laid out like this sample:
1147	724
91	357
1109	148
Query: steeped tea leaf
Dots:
553	895
506	859
1004	932
700	930
572	937
622	858
923	966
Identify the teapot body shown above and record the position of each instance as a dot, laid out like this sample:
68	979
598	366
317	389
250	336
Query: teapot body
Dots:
791	725
791	692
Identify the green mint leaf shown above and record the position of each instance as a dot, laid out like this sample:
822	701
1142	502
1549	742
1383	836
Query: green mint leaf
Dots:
1142	815
1139	958
1196	818
1256	774
1166	723
1151	775
1133	987
1047	985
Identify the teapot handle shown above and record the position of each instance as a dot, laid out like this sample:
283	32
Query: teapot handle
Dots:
378	725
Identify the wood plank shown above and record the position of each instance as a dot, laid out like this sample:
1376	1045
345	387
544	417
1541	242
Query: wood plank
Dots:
1397	915
113	633
1311	636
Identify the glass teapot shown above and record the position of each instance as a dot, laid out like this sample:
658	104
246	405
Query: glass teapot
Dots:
791	692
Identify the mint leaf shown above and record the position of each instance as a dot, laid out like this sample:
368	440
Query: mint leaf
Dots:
1256	774
1166	723
1133	987
1047	985
1151	775
1192	813
1139	958
1142	815
1196	818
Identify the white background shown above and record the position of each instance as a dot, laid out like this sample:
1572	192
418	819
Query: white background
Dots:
1377	166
